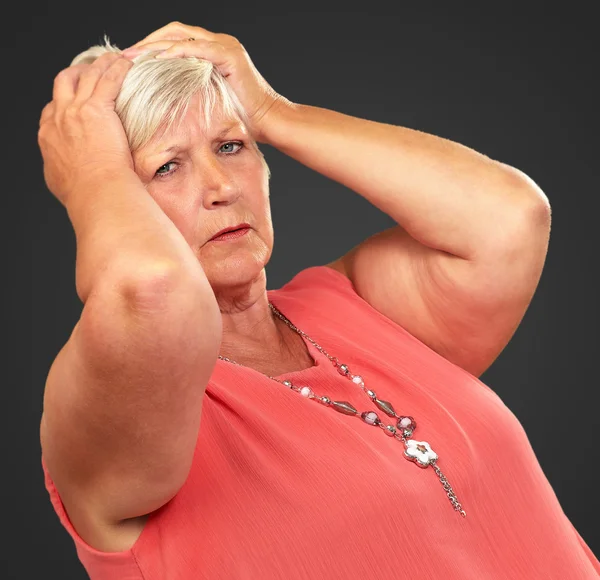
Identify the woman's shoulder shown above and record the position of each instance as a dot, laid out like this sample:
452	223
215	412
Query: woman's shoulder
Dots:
315	283
322	288
326	294
338	266
330	274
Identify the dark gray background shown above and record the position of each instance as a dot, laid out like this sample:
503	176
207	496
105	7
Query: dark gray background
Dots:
517	84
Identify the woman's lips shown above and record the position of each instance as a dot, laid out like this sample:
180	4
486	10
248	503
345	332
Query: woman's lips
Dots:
231	235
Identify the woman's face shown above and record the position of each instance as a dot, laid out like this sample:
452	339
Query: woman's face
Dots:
210	180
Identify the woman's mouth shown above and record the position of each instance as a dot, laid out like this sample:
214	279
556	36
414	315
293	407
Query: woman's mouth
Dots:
231	235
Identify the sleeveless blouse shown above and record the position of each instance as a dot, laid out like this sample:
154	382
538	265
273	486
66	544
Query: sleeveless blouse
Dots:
282	487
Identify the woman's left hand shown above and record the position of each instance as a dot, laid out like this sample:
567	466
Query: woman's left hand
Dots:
228	55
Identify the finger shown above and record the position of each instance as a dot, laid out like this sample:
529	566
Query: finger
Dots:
156	45
176	31
90	77
65	83
215	52
108	87
47	112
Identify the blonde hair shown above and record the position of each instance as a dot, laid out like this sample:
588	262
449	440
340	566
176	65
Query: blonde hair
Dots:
155	93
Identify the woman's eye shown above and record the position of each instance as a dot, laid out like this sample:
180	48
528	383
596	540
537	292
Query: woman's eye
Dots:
232	144
230	148
160	171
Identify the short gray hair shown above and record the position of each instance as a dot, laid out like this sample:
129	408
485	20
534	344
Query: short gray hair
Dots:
156	92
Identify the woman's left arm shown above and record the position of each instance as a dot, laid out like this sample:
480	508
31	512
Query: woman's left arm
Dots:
446	196
461	267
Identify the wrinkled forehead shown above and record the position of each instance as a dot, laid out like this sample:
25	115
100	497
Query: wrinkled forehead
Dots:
197	123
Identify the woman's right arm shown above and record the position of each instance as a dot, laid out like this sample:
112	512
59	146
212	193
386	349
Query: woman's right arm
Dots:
123	398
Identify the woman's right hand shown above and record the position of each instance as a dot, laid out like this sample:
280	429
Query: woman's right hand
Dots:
81	136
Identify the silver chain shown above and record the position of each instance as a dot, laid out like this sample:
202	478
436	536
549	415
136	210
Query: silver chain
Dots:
373	419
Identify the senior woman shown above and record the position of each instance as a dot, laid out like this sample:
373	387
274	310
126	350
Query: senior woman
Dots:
197	425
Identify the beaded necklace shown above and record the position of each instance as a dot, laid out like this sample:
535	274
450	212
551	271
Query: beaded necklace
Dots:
419	452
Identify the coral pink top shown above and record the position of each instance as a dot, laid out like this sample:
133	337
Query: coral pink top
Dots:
284	487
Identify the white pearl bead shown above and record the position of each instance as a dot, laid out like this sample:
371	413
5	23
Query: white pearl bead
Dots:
306	392
357	380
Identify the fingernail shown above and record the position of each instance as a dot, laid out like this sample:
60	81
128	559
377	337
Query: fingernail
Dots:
161	54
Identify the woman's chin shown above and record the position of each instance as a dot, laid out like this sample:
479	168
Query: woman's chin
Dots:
234	264
234	271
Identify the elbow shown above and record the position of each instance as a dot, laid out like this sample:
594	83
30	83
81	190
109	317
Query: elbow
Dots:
536	205
151	288
529	196
528	189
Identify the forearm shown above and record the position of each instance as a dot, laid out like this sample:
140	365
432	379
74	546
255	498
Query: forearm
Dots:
443	194
122	232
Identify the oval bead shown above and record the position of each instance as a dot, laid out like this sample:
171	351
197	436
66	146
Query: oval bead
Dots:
385	407
370	417
344	407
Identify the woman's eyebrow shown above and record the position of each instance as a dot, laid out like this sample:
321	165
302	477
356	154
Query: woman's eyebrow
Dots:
172	149
227	128
177	148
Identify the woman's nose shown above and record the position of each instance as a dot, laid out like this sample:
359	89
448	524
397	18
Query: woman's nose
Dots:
218	187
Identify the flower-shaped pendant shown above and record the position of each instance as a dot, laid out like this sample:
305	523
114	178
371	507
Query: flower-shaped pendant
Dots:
420	452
